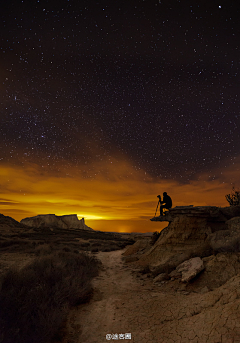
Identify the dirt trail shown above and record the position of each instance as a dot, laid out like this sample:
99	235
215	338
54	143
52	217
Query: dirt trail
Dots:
124	304
118	295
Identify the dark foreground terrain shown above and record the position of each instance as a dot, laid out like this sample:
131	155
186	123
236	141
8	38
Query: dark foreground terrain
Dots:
44	273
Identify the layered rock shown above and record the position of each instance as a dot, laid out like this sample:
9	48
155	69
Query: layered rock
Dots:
190	233
63	222
213	215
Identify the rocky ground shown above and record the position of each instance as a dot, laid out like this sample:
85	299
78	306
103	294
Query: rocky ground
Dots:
127	302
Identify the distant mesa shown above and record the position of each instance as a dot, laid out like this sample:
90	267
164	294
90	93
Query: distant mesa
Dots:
70	221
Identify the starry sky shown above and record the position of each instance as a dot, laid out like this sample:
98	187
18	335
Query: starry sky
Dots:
106	104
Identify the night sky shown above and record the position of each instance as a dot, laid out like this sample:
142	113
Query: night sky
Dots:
123	99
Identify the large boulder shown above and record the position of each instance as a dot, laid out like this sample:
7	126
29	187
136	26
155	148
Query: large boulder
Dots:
63	222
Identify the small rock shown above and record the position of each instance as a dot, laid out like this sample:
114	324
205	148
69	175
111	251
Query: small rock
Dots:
204	290
175	274
160	277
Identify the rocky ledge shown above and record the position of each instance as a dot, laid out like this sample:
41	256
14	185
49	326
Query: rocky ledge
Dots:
212	213
199	231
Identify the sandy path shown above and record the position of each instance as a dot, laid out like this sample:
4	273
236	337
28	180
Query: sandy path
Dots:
124	304
118	295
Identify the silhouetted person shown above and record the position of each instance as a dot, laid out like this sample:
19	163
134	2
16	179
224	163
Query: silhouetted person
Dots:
166	203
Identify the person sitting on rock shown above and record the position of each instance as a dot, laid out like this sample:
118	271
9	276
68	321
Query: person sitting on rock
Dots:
166	203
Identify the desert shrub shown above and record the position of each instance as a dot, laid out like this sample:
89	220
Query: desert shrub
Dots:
233	198
35	300
94	250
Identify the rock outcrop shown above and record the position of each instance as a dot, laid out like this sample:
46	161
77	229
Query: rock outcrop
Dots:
51	220
192	232
215	217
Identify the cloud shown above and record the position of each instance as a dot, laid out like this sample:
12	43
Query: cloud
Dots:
119	192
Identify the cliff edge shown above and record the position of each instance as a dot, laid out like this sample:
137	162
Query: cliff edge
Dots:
199	231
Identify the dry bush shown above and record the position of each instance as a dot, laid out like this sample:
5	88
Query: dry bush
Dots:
233	198
35	300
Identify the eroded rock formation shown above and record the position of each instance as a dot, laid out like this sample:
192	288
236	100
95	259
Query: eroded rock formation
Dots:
190	233
64	222
201	231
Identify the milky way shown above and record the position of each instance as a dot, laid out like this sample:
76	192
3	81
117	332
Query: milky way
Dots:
155	82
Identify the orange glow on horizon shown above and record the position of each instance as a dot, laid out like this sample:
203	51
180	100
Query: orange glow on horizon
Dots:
118	194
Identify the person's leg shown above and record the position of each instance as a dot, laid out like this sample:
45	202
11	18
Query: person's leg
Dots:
161	209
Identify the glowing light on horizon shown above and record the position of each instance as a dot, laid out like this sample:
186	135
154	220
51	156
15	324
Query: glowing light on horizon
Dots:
27	192
90	217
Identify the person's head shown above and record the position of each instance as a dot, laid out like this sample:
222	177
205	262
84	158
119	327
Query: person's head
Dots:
165	193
